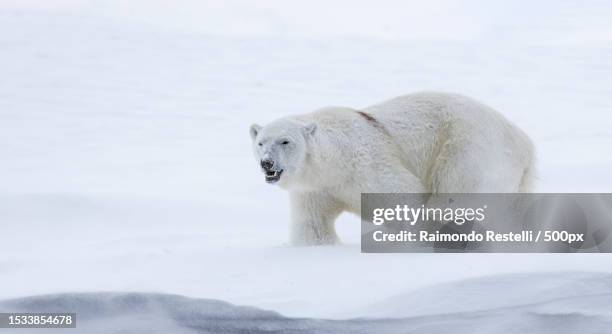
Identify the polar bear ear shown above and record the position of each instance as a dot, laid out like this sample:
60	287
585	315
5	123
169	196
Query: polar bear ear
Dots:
310	129
254	130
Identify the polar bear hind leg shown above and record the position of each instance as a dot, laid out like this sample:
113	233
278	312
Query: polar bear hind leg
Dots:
476	168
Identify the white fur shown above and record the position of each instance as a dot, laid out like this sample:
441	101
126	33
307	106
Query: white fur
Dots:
424	142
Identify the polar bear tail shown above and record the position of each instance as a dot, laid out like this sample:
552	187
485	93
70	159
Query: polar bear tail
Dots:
528	180
529	174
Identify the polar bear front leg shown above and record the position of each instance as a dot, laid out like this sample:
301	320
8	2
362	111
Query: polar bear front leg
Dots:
312	218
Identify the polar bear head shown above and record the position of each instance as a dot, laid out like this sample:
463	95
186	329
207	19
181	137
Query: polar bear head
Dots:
281	149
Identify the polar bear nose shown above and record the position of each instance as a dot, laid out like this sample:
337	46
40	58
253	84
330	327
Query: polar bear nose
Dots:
267	164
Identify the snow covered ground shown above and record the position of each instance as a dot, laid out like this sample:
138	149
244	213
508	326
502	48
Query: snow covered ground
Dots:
578	302
127	163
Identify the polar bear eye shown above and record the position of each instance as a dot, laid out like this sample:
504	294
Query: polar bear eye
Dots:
285	142
260	144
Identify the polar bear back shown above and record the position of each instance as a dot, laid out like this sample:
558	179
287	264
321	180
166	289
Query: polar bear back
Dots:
423	123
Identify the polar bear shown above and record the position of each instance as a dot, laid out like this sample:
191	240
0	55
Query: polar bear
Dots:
427	142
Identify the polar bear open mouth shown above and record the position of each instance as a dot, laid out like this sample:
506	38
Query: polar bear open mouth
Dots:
273	175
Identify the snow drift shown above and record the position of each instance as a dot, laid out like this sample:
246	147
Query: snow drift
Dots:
579	302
